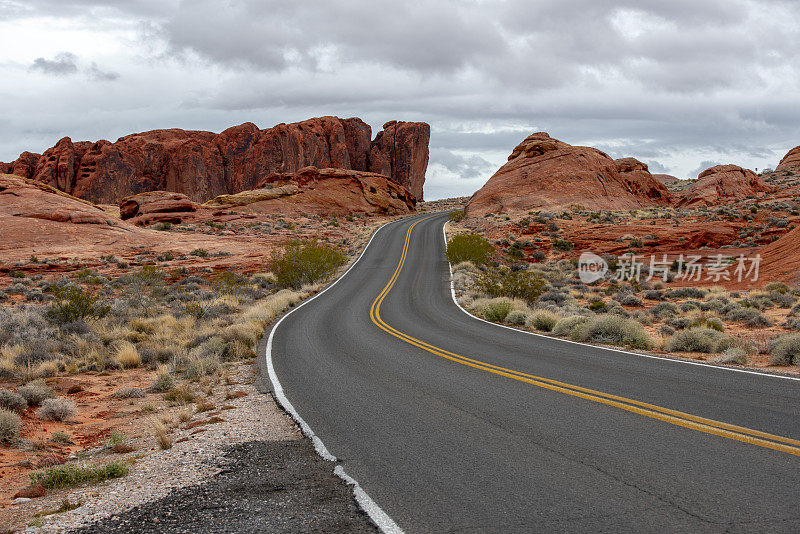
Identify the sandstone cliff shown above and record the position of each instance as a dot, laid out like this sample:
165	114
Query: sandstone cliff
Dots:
722	183
203	165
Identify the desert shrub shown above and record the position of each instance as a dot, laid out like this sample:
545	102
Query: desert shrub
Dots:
555	296
507	283
12	401
680	323
786	350
228	282
613	330
630	300
72	303
163	383
497	309
469	247
563	245
778	287
61	437
699	339
663	310
689	305
308	263
36	392
56	410
543	320
758	320
517	317
665	330
35	353
457	215
67	475
652	294
566	326
733	355
9	426
129	393
180	395
598	306
686	293
126	355
199	252
713	323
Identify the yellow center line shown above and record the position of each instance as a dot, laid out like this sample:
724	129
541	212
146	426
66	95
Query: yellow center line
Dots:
686	420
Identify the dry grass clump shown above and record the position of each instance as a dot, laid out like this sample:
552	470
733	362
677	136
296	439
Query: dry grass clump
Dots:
180	395
9	426
160	432
129	393
127	356
56	410
543	320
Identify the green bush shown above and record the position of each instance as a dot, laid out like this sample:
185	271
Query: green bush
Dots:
517	317
9	426
504	282
308	263
72	303
543	320
497	309
64	476
457	215
786	350
598	306
228	282
563	245
566	326
778	287
734	355
613	330
163	383
699	339
469	247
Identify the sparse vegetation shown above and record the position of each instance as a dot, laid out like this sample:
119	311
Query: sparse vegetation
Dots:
9	426
12	401
504	282
497	309
306	263
469	247
68	475
73	303
56	409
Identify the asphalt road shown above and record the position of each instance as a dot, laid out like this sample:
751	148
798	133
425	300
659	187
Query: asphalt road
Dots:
446	445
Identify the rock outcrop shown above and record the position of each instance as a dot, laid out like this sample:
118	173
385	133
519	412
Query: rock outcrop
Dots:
722	183
791	161
157	206
21	198
666	179
313	191
545	173
204	165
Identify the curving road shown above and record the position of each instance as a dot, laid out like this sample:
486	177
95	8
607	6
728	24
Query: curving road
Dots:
452	424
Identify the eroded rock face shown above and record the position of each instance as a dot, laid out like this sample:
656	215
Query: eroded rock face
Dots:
23	199
791	161
203	165
545	173
157	206
723	183
327	191
400	152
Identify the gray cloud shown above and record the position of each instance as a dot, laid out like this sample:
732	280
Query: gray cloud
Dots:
703	166
670	83
61	65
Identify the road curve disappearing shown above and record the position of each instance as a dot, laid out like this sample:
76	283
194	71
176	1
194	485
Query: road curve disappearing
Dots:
453	424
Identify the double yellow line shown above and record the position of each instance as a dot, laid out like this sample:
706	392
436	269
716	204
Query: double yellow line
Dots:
701	424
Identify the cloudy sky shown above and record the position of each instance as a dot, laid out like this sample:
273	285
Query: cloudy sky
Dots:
679	84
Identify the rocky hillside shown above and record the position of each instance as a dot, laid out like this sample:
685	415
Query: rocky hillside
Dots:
723	183
545	173
204	165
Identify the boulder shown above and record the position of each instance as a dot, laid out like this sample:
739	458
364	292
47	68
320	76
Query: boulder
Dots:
157	206
545	173
791	161
720	184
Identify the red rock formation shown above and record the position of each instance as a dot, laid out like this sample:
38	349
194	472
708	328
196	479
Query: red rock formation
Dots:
722	183
400	152
791	161
780	260
546	173
203	165
665	179
156	206
313	191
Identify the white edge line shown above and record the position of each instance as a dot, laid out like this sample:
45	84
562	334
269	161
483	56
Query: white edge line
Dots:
375	512
718	367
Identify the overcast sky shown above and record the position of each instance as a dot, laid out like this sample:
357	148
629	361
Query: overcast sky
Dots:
679	84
